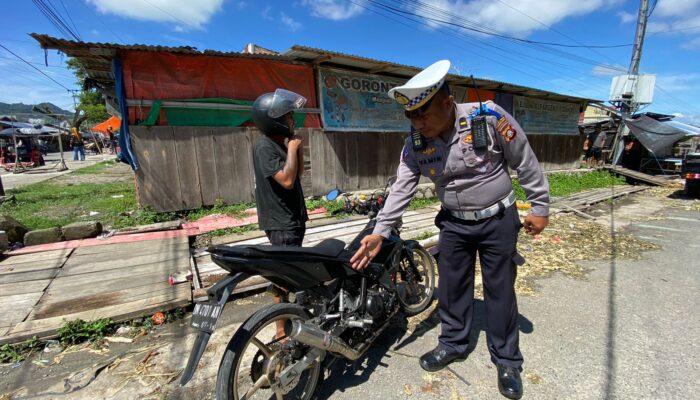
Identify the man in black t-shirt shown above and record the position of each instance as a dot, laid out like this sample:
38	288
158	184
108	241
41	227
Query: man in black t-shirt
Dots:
278	169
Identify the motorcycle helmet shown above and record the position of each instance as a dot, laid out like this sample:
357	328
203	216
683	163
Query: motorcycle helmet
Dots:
269	111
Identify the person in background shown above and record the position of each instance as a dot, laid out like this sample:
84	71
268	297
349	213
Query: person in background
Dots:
278	163
469	165
596	142
112	140
76	141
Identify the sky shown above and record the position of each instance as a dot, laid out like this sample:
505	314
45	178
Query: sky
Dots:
415	33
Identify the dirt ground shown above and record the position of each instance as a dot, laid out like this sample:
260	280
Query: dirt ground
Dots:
148	366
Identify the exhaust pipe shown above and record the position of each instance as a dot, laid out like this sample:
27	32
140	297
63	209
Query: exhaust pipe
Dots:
315	337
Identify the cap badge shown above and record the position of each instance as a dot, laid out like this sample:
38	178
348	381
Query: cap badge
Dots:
401	98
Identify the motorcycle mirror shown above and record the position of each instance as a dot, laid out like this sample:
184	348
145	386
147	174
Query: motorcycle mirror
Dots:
333	194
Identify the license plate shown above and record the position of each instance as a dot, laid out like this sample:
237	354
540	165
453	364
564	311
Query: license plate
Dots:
205	315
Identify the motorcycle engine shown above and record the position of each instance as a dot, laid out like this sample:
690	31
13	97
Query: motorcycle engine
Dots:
379	303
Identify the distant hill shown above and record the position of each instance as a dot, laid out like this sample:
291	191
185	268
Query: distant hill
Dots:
24	111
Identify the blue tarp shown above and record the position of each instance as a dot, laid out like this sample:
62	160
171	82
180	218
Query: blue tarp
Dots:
127	154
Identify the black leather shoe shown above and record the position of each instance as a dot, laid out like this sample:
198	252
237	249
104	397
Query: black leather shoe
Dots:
509	383
439	358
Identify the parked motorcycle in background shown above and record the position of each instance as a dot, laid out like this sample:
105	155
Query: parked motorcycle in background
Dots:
334	311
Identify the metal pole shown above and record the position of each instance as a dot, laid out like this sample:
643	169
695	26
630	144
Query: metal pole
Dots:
629	106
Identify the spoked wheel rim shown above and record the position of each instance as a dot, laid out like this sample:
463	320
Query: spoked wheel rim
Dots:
263	358
414	293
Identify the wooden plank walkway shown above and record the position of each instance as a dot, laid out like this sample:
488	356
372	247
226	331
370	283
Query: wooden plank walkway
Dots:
583	200
121	281
639	176
415	224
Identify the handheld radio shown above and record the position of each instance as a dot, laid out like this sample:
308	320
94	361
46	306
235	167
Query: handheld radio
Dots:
480	130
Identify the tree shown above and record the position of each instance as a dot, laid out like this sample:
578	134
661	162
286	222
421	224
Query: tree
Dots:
91	106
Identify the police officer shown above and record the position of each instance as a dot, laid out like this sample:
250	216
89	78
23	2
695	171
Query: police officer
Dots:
469	164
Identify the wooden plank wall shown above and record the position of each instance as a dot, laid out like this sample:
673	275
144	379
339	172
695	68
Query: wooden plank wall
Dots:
188	167
353	160
557	152
184	168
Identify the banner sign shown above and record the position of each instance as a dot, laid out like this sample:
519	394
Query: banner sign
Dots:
352	101
546	117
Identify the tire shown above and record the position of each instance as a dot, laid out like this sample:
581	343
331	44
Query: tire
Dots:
414	296
692	188
232	369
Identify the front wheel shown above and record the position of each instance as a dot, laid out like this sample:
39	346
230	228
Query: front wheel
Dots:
257	365
416	286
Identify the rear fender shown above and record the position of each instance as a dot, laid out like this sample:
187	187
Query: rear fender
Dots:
220	293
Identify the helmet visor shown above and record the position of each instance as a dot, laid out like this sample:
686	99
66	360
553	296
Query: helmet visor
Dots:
284	101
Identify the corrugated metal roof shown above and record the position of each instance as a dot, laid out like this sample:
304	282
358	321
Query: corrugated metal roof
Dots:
331	58
97	58
94	49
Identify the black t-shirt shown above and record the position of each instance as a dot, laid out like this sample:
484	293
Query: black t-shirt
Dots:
278	208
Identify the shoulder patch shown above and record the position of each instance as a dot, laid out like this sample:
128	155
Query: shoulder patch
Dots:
404	153
505	129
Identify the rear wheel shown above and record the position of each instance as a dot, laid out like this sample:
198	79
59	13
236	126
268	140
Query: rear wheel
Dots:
258	366
416	286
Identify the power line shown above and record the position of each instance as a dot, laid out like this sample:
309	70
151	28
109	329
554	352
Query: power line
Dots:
176	18
55	17
69	17
490	48
40	71
119	39
676	30
438	12
494	33
43	65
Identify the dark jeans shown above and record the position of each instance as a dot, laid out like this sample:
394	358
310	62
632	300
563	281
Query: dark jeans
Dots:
494	239
292	237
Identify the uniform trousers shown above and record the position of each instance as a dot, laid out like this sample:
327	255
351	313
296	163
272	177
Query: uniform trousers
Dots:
494	239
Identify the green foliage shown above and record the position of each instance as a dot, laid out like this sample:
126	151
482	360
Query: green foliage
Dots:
234	210
14	353
236	230
100	167
424	235
330	206
564	184
90	101
79	331
422	203
47	204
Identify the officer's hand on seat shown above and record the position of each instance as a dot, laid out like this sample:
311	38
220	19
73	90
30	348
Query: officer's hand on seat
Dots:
369	248
534	224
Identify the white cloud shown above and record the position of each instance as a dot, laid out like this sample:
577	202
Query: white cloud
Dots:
290	22
626	17
692	45
266	13
520	19
335	10
189	13
677	8
607	70
679	83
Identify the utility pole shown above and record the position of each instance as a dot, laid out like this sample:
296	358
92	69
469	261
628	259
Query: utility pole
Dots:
628	106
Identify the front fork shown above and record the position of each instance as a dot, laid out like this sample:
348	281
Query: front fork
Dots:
219	293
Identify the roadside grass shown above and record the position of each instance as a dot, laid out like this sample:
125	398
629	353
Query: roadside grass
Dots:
564	184
56	203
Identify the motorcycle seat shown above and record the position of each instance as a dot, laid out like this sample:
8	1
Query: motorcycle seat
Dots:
326	248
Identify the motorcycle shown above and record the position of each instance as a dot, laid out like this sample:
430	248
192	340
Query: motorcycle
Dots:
334	312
